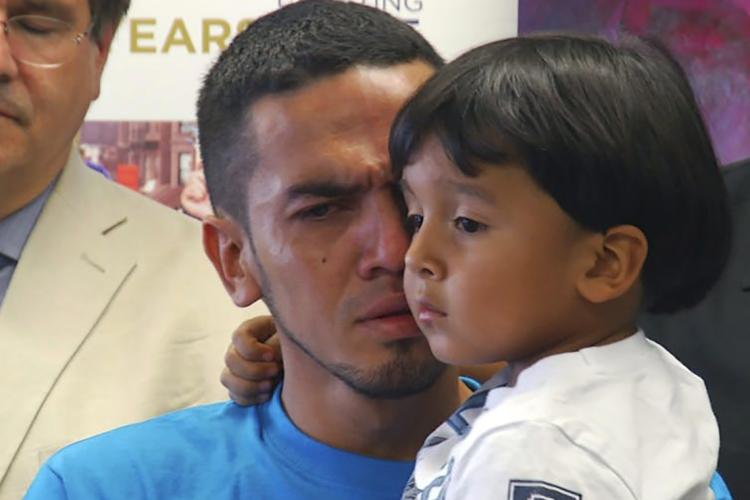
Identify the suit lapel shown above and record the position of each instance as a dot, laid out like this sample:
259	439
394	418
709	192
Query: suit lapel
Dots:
66	278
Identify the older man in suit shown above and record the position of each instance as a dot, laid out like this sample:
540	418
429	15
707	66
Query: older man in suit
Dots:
109	312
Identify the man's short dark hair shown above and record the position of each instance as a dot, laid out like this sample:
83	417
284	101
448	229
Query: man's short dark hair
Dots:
106	12
285	51
610	130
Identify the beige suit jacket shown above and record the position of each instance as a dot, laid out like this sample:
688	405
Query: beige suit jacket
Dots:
113	315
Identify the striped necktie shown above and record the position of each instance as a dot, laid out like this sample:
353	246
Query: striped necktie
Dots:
6	270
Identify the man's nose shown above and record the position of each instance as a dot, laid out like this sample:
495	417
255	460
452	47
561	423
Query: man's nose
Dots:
8	65
385	239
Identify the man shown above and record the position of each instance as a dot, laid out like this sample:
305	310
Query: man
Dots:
713	339
294	121
107	311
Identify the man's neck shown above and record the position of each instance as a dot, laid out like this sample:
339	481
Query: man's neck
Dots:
21	186
393	429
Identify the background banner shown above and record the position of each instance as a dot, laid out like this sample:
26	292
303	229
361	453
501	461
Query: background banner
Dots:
163	47
709	37
142	130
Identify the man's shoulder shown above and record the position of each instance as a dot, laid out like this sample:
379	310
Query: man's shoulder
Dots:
161	435
180	439
593	393
178	455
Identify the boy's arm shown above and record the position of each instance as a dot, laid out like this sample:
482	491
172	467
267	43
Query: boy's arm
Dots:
253	362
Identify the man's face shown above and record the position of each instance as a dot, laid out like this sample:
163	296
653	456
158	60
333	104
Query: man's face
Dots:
328	235
41	109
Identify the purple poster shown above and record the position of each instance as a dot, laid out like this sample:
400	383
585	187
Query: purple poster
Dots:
711	38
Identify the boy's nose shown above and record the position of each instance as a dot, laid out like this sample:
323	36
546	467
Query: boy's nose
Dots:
421	259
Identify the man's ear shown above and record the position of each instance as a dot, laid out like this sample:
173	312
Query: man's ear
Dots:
229	251
615	263
102	45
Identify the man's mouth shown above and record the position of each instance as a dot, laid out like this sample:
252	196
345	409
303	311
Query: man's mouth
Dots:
390	319
8	114
10	110
393	305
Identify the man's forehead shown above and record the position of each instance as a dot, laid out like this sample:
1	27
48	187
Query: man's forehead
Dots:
50	7
362	97
357	105
337	181
347	160
44	4
333	130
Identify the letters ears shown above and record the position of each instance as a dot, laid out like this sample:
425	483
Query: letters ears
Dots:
229	250
614	264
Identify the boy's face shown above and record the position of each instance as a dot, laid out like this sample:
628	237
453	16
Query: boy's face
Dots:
491	270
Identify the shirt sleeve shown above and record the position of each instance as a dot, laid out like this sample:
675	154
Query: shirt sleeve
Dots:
532	460
720	488
47	485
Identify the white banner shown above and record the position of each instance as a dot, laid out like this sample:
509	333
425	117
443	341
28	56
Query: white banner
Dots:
164	47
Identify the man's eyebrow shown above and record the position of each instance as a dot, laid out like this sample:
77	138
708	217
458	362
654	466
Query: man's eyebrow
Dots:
324	189
45	7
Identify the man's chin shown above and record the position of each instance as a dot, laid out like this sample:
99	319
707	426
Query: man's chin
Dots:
393	369
402	376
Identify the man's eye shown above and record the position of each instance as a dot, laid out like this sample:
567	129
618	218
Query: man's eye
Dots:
317	211
36	26
414	222
468	225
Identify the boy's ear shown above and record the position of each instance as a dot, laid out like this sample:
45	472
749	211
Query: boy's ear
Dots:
615	267
229	251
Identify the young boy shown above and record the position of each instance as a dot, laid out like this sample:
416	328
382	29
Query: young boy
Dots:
556	185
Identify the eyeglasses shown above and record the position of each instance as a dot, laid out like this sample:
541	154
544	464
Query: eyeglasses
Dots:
40	41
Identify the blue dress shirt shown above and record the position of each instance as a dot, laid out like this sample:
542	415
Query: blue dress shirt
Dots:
14	231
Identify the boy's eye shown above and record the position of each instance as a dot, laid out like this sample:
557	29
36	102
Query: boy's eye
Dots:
414	222
468	225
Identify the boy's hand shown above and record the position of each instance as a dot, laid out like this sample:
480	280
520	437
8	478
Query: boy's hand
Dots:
253	362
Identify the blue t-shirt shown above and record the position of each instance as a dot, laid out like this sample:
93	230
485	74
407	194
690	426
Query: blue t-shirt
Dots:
222	451
219	451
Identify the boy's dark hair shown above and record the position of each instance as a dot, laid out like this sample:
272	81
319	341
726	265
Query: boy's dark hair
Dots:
106	12
280	52
611	131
